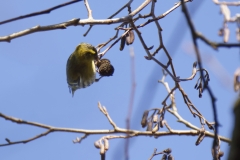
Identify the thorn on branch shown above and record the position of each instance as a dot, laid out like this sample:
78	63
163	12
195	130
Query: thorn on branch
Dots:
8	140
149	48
147	57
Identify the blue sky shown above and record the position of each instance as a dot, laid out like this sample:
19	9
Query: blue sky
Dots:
34	88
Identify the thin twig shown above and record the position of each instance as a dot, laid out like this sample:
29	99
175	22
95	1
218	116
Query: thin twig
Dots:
126	5
90	27
63	25
176	5
107	49
40	12
215	45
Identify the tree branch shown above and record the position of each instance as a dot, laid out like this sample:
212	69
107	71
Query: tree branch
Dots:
132	133
38	28
40	12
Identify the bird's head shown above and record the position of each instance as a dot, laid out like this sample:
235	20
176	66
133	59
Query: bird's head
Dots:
87	51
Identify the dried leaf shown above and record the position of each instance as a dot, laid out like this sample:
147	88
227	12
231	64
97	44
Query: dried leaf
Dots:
130	37
144	119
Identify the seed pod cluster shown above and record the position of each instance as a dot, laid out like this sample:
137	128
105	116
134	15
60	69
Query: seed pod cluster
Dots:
164	157
167	151
154	122
105	67
167	154
199	85
127	39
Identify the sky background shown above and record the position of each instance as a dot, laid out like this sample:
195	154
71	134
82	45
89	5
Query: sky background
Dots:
33	81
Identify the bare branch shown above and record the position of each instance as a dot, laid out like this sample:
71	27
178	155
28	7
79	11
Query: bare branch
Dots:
51	129
81	22
104	111
215	45
176	5
126	5
40	12
63	25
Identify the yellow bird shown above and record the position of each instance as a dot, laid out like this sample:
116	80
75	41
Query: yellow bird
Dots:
81	71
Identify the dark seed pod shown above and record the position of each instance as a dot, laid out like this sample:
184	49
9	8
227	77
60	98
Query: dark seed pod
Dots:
200	138
164	157
106	69
144	118
122	44
167	151
210	126
220	32
102	61
130	37
170	157
194	64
